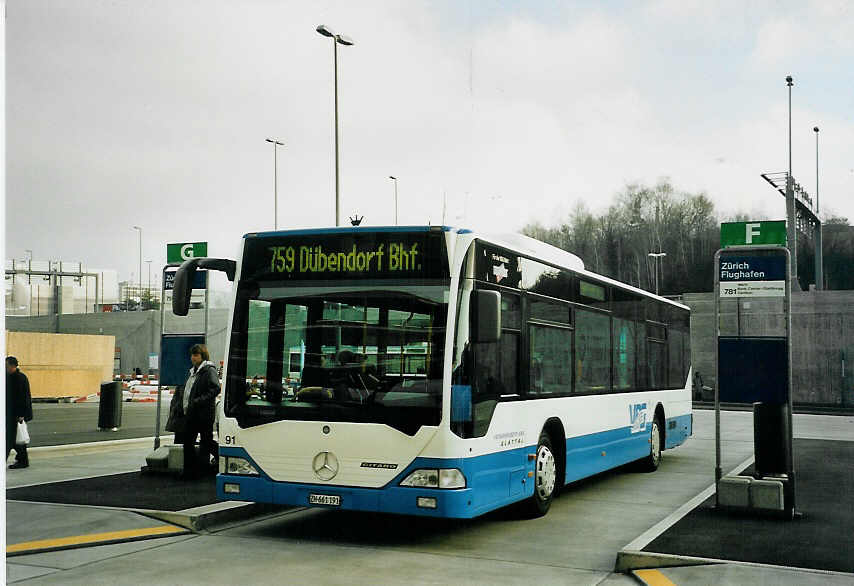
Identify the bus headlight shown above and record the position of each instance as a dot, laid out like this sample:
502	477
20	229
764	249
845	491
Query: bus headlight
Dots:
433	478
234	465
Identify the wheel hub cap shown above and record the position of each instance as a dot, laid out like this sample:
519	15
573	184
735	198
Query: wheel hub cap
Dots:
656	444
546	474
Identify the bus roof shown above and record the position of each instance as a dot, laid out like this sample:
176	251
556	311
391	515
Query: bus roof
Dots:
557	256
536	249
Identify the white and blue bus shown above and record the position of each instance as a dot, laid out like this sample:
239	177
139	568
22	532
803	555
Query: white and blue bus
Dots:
435	371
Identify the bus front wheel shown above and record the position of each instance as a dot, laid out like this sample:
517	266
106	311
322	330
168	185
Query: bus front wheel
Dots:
545	478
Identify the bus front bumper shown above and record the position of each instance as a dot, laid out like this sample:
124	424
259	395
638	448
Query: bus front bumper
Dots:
456	503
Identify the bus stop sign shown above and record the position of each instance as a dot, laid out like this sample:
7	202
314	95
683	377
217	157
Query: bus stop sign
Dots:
182	251
753	233
752	276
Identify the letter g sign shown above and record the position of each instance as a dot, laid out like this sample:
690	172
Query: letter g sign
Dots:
181	251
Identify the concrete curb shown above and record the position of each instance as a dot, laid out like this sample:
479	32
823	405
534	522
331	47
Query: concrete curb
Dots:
632	557
192	520
647	561
45	546
204	517
629	561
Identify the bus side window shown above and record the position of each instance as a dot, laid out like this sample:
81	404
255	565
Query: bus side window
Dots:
551	360
486	381
592	352
511	323
497	364
486	387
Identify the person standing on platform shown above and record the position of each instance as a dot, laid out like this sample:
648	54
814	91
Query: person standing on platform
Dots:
19	408
199	402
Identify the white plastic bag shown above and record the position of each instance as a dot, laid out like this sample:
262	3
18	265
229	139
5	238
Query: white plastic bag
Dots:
23	434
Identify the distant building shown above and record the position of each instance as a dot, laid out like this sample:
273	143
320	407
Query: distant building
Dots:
130	294
35	288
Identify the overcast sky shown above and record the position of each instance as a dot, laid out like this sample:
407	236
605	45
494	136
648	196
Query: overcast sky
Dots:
154	113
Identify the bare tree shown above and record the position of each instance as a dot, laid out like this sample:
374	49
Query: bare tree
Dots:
642	220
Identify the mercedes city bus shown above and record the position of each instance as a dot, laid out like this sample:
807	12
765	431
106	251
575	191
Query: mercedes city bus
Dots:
437	371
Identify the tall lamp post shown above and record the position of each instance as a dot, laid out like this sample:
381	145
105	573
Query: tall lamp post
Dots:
791	230
336	39
148	288
393	178
819	260
276	143
657	256
139	274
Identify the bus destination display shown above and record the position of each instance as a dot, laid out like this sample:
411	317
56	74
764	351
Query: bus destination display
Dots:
346	256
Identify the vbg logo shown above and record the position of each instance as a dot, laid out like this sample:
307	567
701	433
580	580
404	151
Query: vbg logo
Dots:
637	417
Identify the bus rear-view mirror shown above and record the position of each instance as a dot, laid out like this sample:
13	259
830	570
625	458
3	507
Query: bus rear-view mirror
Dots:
184	278
485	316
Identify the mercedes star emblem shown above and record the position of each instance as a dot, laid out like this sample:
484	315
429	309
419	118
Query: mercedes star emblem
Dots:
325	465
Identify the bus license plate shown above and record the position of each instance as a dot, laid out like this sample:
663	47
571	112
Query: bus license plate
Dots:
324	499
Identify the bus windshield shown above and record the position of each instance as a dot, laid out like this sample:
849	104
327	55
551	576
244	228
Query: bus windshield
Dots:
340	352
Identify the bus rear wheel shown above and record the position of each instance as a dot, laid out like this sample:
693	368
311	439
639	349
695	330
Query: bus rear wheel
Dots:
651	462
545	479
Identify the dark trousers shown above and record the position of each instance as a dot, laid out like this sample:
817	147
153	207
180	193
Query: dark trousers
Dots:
20	449
197	465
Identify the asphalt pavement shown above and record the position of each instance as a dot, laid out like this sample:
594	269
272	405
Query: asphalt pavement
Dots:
576	543
56	424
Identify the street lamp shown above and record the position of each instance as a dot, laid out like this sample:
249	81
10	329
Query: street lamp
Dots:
815	129
275	143
819	259
657	256
336	39
393	178
138	229
791	231
148	288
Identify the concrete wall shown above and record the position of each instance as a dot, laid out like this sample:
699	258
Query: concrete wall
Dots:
822	337
822	322
62	365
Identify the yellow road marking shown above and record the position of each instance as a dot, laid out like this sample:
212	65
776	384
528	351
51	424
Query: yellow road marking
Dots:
94	538
653	578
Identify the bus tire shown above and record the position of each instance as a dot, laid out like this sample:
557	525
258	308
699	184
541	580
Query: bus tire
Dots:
656	441
545	478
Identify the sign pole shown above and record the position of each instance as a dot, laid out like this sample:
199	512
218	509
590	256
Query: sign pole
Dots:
160	359
718	470
160	386
207	302
791	459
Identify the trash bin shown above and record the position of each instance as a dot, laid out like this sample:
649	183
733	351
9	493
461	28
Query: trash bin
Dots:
770	438
110	406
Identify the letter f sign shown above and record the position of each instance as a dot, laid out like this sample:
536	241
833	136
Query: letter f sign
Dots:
751	230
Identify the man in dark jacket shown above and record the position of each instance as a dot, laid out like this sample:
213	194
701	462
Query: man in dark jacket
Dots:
19	408
199	402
